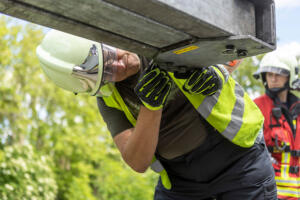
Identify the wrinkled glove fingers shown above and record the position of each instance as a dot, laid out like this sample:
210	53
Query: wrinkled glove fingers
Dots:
161	99
148	76
214	86
210	91
152	89
153	86
145	83
203	81
202	84
157	89
195	77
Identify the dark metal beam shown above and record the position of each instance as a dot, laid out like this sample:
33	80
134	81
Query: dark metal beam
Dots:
160	27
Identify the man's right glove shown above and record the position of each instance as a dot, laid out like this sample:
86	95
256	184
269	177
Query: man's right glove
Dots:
204	81
153	87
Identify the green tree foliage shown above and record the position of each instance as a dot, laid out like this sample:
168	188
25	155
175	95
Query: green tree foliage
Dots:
25	175
244	76
65	127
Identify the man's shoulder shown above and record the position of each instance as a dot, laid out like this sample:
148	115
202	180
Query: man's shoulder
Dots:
262	100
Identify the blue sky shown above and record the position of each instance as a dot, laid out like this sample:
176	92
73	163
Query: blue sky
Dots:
288	22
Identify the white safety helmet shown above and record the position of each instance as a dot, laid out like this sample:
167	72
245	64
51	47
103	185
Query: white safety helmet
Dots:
77	64
282	63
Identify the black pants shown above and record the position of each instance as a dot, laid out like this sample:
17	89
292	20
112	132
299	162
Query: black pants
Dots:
250	177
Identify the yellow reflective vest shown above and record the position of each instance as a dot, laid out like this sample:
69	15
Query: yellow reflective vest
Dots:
230	111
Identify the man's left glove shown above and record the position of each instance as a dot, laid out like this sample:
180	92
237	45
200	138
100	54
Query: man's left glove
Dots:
204	81
153	87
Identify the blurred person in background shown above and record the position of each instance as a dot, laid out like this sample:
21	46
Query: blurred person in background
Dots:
280	106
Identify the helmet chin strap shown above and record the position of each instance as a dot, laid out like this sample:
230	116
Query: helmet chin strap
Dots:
273	92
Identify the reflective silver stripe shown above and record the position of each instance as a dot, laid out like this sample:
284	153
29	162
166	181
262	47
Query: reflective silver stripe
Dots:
223	71
287	191
157	166
236	115
208	104
286	181
285	167
259	136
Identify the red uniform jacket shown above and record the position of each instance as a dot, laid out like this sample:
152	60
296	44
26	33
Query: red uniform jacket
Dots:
282	145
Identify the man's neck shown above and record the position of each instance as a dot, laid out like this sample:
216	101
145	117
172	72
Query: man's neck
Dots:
283	96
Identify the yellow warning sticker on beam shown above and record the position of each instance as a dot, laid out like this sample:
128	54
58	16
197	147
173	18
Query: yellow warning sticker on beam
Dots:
190	48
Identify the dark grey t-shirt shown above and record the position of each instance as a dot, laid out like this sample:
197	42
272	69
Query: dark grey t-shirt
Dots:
182	129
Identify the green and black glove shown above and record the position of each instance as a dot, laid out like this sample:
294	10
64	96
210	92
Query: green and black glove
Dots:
153	87
204	81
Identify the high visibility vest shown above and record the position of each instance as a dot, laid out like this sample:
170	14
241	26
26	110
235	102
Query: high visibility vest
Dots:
284	149
230	111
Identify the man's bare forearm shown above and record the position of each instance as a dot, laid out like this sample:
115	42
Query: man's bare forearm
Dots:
138	145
